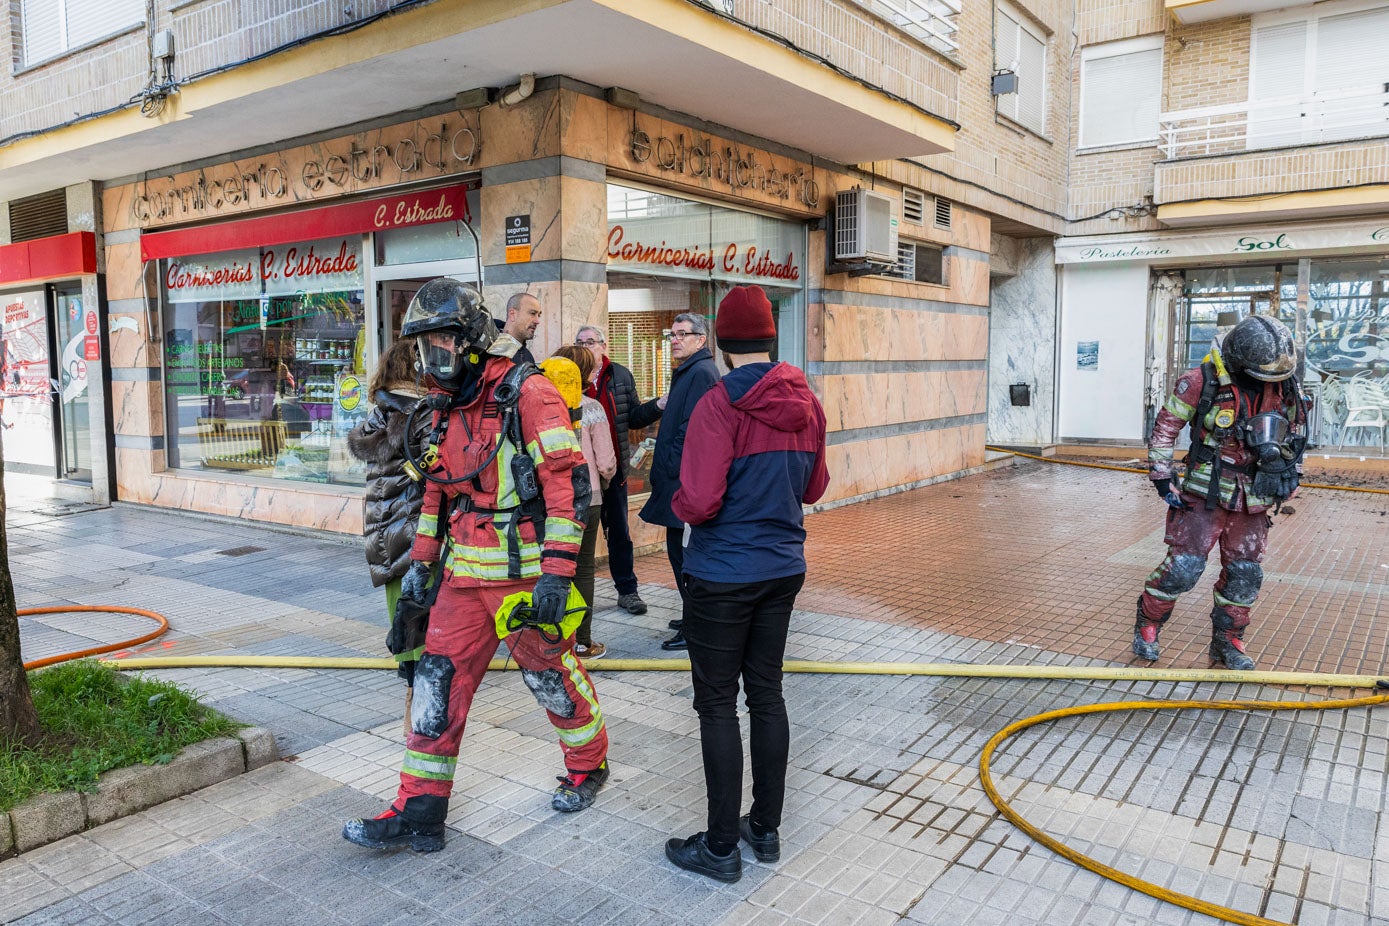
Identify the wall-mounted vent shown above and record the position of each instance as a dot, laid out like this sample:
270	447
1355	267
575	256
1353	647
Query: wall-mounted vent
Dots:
905	269
913	205
943	210
865	226
920	263
40	216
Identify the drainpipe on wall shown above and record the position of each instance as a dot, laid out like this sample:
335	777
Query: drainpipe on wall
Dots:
516	95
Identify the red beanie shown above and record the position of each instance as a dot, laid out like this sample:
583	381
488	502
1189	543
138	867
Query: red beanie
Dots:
744	324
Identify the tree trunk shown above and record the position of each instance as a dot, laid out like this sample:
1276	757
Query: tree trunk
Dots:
18	722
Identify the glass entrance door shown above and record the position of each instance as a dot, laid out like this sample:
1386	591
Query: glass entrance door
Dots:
77	340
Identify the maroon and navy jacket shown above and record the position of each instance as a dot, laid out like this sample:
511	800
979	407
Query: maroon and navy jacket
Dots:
754	453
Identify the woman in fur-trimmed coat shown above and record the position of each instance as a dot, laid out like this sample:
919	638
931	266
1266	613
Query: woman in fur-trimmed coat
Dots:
391	506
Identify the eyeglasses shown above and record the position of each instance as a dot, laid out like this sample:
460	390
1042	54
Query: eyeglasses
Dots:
587	342
678	335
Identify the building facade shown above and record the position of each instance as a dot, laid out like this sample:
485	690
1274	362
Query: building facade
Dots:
1229	158
1011	222
258	245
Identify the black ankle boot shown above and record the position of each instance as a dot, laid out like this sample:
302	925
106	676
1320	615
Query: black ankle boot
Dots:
1145	636
693	854
1228	647
420	825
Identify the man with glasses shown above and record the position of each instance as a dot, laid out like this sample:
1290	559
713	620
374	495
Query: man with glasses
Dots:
694	374
616	390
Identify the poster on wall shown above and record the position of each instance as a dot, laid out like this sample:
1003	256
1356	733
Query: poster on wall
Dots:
1088	356
349	410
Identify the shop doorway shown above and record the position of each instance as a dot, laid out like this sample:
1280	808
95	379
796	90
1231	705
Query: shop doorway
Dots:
76	326
47	336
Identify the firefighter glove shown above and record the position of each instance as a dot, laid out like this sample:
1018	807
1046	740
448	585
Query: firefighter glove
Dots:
416	582
1171	497
549	599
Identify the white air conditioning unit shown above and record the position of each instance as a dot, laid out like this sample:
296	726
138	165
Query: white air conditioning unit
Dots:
865	226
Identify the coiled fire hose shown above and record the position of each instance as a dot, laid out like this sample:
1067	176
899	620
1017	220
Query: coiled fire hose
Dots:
959	670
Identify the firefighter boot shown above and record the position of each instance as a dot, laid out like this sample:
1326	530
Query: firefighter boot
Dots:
1227	642
1145	636
420	825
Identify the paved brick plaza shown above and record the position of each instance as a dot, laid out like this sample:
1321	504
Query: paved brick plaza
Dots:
1276	815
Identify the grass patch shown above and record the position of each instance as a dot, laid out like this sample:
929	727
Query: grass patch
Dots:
94	721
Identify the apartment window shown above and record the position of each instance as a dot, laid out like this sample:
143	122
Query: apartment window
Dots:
1320	75
52	27
922	263
1021	47
1120	92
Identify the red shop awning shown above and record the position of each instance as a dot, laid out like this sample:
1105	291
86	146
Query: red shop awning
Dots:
50	258
443	204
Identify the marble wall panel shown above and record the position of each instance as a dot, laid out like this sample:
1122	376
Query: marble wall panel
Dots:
138	407
862	467
1022	346
123	268
528	130
583	126
584	217
339	511
863	400
583	304
815	335
857	333
131	348
539	199
969	280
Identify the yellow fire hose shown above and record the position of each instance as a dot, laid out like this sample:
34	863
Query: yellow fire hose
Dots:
957	670
1132	469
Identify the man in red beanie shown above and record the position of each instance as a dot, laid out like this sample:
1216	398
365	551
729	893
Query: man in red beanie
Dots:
759	455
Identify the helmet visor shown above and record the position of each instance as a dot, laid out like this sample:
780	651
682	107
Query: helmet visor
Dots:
441	353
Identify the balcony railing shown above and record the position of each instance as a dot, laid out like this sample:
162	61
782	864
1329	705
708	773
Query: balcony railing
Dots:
929	21
1362	112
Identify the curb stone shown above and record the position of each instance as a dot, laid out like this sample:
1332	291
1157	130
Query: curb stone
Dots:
46	818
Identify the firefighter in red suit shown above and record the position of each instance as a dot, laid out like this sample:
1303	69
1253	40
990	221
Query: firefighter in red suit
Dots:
1248	424
510	486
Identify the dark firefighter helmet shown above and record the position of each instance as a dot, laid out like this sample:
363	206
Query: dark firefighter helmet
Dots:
451	329
1261	347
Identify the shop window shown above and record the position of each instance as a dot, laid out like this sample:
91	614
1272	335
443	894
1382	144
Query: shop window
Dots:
1348	352
1021	48
668	255
52	27
264	354
1120	91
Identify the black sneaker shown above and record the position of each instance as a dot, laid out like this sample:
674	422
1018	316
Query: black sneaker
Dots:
420	826
693	855
767	848
631	603
577	790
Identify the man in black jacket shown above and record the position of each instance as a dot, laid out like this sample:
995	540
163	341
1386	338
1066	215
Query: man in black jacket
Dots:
695	373
616	390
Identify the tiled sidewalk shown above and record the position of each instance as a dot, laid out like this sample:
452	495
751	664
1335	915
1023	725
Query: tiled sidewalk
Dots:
1278	815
